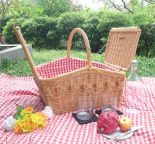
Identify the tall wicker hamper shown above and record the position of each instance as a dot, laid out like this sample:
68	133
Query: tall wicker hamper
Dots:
62	81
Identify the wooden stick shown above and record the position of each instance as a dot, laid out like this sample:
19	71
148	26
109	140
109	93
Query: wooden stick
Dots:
26	50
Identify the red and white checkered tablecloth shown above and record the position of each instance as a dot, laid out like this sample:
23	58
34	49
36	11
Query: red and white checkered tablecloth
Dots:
63	129
65	65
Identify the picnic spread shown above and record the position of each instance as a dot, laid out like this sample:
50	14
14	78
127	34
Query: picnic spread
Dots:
71	100
64	129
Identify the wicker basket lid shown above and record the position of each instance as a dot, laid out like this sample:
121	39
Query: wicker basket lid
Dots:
121	46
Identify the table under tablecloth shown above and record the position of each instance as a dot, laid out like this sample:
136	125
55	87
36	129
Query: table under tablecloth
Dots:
63	129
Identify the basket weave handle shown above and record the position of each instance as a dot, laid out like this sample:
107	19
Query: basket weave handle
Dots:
86	42
26	50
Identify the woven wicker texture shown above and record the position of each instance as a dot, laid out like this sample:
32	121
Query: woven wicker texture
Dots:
61	90
121	46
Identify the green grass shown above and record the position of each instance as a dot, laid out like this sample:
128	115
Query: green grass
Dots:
21	67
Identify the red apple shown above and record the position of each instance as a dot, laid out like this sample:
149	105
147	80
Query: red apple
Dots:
125	123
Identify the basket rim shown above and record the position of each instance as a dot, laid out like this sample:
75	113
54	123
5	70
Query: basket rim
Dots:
112	69
94	62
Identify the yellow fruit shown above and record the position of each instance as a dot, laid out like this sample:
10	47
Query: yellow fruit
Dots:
125	123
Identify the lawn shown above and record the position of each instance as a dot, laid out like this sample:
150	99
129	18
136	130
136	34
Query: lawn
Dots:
21	67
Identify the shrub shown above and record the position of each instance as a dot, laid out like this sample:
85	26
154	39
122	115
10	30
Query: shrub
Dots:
66	23
41	31
110	20
8	30
147	41
146	21
94	35
50	32
3	23
114	19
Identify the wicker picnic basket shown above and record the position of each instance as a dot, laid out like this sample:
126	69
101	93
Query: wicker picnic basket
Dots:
62	81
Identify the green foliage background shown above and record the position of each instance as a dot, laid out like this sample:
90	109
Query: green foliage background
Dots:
47	24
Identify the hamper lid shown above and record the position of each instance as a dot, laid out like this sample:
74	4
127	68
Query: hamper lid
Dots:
121	46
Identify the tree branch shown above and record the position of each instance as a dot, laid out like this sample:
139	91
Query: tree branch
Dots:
142	3
150	1
119	7
124	4
116	6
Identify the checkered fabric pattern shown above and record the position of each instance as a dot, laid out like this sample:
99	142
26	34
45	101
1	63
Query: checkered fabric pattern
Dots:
65	65
63	129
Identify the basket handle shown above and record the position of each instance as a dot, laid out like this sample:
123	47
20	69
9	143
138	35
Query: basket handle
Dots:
86	42
26	50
